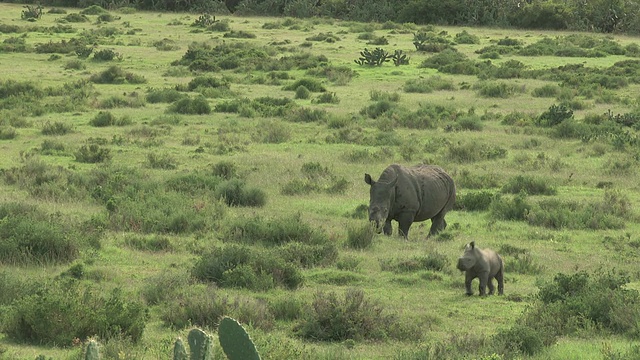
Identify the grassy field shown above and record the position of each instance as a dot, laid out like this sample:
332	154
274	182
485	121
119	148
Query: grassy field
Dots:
484	141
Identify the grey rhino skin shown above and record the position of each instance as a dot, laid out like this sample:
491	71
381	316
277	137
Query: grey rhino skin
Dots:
408	195
484	264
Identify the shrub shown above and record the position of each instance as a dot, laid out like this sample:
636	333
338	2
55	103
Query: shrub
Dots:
64	311
165	286
92	153
273	232
161	161
528	184
273	132
326	98
115	75
354	318
496	89
105	118
243	267
207	82
56	128
164	95
7	133
106	55
302	92
204	306
360	237
234	192
555	115
474	201
75	65
509	208
521	338
198	105
33	237
307	115
311	85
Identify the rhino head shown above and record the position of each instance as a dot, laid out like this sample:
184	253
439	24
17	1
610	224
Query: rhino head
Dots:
381	195
468	258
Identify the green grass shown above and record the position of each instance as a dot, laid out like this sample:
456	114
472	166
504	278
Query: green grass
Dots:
432	300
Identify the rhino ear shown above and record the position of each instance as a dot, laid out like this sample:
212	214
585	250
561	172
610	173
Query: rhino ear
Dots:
368	179
473	244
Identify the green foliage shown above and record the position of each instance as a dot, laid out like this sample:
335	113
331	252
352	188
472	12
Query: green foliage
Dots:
234	192
376	57
432	261
106	118
509	208
106	55
31	236
192	106
92	153
164	95
312	85
555	115
244	267
522	339
235	341
274	232
473	152
7	133
496	89
530	185
474	200
63	311
352	318
115	75
360	237
55	128
32	12
464	37
204	21
315	178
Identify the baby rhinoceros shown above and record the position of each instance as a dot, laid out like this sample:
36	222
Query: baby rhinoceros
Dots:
482	264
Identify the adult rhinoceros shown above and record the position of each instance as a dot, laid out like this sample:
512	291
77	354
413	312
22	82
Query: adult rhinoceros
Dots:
410	194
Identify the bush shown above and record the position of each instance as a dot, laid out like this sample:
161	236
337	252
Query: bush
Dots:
529	185
164	95
198	106
92	153
115	75
56	128
520	338
234	192
273	232
244	267
509	208
62	312
7	133
311	85
105	118
106	55
33	237
204	306
474	201
354	318
432	261
360	237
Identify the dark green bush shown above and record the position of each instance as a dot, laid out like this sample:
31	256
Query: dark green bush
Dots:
244	267
207	82
76	18
161	161
273	232
106	118
509	208
64	311
155	243
311	85
234	192
521	338
92	153
352	318
473	151
555	115
56	128
360	237
474	201
115	75
164	95
204	306
33	237
7	133
530	185
198	106
106	55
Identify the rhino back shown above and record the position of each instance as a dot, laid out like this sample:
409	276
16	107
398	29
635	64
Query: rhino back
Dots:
493	260
425	190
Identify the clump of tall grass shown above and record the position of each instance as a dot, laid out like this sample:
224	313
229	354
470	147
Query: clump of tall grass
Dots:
353	317
360	237
432	261
239	266
531	185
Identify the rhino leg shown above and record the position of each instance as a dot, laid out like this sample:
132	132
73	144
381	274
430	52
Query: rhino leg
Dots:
387	228
437	224
492	288
500	278
483	283
404	223
467	283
